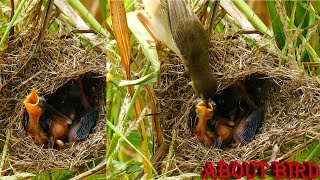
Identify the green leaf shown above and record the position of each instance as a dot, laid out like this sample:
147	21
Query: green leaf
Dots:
308	153
132	168
6	33
135	138
103	9
277	25
61	174
115	141
142	36
97	177
302	15
129	4
150	78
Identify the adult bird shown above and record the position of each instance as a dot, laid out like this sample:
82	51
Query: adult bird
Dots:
174	24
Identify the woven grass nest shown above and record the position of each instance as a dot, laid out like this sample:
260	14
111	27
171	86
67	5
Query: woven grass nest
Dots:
289	99
59	59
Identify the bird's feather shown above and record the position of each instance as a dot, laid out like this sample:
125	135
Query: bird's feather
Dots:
82	129
254	122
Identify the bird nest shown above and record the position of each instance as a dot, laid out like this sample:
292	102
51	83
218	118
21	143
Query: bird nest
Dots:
58	60
290	101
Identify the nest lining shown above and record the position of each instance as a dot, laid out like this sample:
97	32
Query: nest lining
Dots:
289	99
57	61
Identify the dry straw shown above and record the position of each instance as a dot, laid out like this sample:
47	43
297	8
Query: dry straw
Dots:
60	58
289	98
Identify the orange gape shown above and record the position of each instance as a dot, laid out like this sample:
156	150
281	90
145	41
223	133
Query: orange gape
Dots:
205	136
35	111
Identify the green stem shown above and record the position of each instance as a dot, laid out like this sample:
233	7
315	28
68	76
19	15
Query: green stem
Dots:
135	95
119	135
314	153
171	148
5	150
116	137
6	33
87	16
252	17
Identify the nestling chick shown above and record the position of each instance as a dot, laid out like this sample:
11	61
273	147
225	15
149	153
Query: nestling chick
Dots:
81	129
204	114
44	123
224	130
247	128
32	122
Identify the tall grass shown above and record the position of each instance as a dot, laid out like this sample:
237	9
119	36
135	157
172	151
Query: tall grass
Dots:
295	28
284	28
23	20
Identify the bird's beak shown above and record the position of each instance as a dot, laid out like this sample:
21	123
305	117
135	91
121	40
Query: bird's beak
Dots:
32	103
203	111
203	104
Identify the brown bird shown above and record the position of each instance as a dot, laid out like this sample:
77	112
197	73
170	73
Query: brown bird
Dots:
58	126
236	104
173	23
82	126
72	101
45	124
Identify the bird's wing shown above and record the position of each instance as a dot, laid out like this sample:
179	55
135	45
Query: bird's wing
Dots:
87	122
159	23
187	31
254	122
45	119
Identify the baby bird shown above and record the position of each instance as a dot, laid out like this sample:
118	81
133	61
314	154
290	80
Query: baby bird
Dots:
45	124
33	121
204	114
224	130
81	130
66	116
247	128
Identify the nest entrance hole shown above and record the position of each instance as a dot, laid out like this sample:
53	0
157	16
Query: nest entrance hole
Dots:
260	90
93	86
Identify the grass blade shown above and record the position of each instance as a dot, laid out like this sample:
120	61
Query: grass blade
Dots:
276	24
87	16
6	33
251	16
121	32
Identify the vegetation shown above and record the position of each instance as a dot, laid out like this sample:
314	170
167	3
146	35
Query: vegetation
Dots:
133	66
